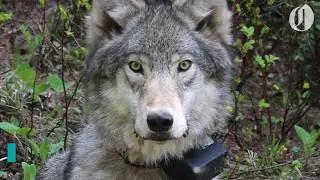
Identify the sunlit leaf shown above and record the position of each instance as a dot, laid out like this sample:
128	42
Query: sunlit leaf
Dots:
263	104
56	147
44	149
247	31
2	173
56	83
29	171
9	128
26	74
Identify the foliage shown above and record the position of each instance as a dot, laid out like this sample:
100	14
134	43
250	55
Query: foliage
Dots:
2	173
40	75
271	104
29	171
308	139
15	130
5	17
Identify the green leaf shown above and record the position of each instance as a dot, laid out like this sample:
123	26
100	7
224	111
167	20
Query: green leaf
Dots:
56	147
56	83
63	13
2	173
24	131
248	45
303	135
306	85
264	30
36	41
260	62
43	2
238	80
69	33
263	104
247	31
83	3
230	109
306	94
5	17
276	87
68	85
26	74
9	128
239	96
34	147
295	150
271	59
243	167
238	8
314	136
26	33
238	44
44	149
41	88
239	117
285	99
29	171
15	130
276	120
297	164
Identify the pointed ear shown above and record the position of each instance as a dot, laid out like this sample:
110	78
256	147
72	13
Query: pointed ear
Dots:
108	18
211	18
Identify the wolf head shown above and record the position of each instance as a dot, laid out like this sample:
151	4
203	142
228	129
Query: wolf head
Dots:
160	69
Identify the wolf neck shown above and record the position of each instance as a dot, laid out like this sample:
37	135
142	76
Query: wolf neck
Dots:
152	153
142	151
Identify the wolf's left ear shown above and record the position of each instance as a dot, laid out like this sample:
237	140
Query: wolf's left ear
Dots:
212	18
108	18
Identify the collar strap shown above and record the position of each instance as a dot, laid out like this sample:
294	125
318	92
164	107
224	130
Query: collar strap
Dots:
124	156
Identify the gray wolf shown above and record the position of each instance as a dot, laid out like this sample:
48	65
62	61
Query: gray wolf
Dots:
157	85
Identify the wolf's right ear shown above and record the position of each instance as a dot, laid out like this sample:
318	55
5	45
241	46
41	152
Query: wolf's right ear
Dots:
108	18
212	18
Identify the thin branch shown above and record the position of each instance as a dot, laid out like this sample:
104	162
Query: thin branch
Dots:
287	108
64	90
58	125
32	102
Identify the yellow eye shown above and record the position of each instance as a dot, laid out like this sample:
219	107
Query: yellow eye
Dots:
135	66
185	65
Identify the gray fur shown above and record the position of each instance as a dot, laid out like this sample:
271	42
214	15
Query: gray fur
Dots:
158	34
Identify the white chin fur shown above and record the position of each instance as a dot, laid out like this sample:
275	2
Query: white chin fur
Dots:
152	152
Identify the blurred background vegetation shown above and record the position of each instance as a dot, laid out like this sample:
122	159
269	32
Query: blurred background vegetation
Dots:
274	128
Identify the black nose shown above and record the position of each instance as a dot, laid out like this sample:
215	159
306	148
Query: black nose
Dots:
160	122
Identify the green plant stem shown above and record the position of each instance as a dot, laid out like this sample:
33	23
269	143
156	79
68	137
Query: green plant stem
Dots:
64	90
265	86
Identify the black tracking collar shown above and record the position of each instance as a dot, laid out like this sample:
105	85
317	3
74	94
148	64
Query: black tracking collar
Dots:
197	164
